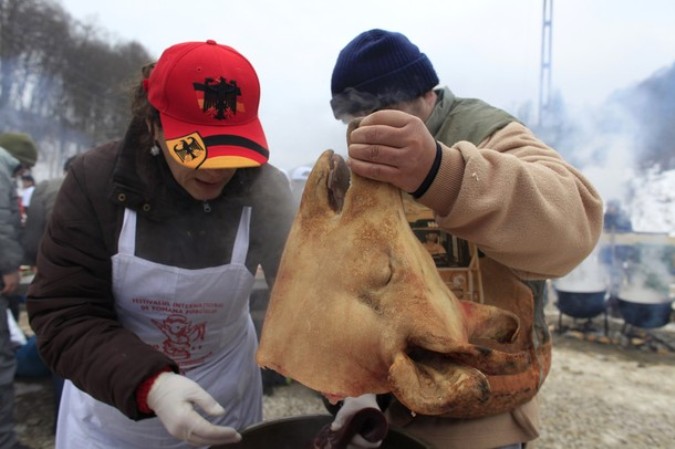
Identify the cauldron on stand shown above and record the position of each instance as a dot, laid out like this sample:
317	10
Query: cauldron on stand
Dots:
298	433
582	305
645	313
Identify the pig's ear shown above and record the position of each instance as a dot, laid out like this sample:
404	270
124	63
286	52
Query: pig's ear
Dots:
315	202
338	183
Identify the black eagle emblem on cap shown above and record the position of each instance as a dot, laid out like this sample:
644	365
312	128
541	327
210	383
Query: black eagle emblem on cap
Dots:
220	95
188	149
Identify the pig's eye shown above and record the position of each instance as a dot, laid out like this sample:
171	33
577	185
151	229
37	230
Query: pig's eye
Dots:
384	275
390	273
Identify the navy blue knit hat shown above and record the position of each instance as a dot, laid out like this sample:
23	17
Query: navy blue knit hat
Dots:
376	69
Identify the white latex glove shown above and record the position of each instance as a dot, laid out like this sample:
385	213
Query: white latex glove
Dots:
172	397
349	407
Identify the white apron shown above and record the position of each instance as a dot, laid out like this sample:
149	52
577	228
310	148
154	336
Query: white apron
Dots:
200	318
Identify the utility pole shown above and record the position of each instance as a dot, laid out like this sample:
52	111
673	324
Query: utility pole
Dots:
546	53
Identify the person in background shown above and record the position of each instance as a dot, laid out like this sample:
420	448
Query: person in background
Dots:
299	177
17	154
27	188
38	214
489	180
141	295
616	219
432	245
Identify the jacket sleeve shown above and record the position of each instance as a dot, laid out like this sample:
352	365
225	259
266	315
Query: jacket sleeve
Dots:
519	201
11	251
70	302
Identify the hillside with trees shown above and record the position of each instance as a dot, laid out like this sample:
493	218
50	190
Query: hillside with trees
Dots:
61	81
651	104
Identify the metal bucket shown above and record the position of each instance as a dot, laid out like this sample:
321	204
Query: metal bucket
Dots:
581	304
298	433
647	315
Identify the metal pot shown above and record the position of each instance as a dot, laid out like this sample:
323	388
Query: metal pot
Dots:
647	315
581	304
298	433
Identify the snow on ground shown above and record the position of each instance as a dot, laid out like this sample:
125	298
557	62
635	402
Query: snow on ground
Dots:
653	206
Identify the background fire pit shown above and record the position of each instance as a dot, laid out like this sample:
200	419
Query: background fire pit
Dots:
644	310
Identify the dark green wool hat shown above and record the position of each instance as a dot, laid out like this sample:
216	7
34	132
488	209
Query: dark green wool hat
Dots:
20	146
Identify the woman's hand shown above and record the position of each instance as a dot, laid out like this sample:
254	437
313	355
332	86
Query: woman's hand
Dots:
172	397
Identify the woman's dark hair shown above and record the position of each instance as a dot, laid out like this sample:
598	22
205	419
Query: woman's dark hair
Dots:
142	110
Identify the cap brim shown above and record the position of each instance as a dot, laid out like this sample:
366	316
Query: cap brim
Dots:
213	147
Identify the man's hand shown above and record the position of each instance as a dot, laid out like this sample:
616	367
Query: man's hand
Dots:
349	408
11	282
172	397
391	146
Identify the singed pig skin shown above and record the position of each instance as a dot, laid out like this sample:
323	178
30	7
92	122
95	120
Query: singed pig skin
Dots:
359	307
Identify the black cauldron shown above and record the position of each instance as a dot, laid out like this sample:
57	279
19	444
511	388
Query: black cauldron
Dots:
647	315
298	433
581	304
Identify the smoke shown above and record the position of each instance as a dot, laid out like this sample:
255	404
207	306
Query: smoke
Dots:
641	274
589	276
625	148
646	276
603	144
353	103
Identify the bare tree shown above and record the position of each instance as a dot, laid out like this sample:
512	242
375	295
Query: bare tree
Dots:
60	81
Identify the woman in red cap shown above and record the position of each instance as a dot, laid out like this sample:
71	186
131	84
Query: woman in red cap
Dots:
141	298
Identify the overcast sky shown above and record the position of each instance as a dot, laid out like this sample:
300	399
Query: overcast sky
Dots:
489	49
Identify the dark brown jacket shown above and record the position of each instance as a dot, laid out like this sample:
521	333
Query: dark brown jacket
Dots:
71	304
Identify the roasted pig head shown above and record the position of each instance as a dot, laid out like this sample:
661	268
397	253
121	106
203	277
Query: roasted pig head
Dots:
358	306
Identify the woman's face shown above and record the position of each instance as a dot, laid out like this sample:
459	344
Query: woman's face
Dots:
200	184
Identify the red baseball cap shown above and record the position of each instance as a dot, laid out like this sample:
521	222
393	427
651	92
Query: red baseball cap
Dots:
207	96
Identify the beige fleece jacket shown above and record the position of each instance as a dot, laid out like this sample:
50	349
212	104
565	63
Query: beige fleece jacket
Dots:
519	201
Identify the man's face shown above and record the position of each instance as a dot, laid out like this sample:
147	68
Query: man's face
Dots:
21	170
417	107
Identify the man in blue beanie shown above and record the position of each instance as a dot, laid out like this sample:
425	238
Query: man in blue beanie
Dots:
486	179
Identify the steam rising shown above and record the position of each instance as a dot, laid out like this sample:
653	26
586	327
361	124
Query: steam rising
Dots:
589	276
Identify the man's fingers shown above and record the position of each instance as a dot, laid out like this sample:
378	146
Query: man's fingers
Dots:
380	154
371	153
389	117
378	135
375	171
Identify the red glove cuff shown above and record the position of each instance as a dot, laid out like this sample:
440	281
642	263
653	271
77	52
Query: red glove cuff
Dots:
143	390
